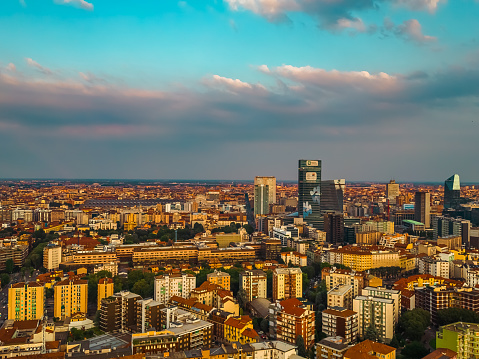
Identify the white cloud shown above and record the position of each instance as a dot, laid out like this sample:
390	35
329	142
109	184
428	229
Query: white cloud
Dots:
11	67
410	30
267	8
420	5
232	85
33	63
79	3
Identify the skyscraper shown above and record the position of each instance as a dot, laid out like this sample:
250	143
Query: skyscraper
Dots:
422	208
334	227
392	191
309	191
332	195
452	191
264	194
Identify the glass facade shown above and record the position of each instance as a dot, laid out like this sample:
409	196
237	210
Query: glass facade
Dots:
452	191
309	191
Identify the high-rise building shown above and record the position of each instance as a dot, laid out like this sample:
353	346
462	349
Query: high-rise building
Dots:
254	283
52	257
26	301
392	191
287	283
339	321
452	191
332	195
166	286
119	312
376	314
448	226
264	194
105	289
309	191
460	337
422	208
148	315
334	227
70	297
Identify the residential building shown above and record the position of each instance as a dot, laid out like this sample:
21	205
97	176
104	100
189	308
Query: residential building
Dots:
309	191
448	226
434	266
167	286
334	227
240	329
273	349
370	350
380	292
460	337
70	297
287	283
442	353
289	319
335	277
422	208
52	257
341	296
377	313
119	312
148	315
254	283
105	289
332	347
111	267
339	321
284	233
220	278
295	258
26	301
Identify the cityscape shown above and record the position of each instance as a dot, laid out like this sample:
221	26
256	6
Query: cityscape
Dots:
255	269
239	179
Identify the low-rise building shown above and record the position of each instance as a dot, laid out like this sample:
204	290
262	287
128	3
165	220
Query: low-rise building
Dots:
240	329
331	348
370	350
220	278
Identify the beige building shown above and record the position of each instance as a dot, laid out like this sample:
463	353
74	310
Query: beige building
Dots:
167	286
105	289
52	257
287	283
331	348
220	278
26	301
377	313
341	322
254	283
70	297
341	296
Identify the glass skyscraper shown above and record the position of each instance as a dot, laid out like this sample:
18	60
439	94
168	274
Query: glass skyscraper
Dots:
332	195
309	191
452	191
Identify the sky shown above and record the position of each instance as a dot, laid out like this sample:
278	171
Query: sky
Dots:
232	89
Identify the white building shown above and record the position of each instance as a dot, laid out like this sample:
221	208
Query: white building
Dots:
167	286
274	349
52	257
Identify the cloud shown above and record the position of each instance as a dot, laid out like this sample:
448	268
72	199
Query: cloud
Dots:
32	63
420	5
22	2
232	85
82	4
410	30
92	78
11	67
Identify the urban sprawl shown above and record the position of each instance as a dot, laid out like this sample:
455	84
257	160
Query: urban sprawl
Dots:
225	270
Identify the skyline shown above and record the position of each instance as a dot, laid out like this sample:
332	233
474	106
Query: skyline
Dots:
234	89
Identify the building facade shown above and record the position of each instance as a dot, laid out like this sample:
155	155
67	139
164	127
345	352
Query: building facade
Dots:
70	297
309	191
26	301
287	283
167	286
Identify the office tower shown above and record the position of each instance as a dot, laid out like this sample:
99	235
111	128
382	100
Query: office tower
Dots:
309	191
26	301
422	208
448	226
52	257
70	297
452	191
334	227
287	283
105	289
332	195
264	194
254	283
392	191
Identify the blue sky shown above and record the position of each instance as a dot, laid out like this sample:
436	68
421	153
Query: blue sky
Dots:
230	89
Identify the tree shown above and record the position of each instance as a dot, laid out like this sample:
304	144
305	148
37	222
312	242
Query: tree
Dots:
140	288
9	265
49	292
414	350
413	323
394	342
242	298
301	347
371	333
452	315
5	279
264	325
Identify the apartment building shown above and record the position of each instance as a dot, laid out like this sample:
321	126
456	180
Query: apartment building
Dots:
342	322
26	301
18	253
105	290
70	297
370	350
287	283
86	258
295	258
377	313
341	296
393	294
148	315
167	286
52	257
119	312
331	348
240	329
335	277
460	337
220	278
289	319
253	282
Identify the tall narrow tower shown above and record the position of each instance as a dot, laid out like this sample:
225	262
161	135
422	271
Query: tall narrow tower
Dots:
309	191
264	194
422	208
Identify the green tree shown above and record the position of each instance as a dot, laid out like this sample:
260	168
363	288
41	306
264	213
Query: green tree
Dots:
5	279
301	347
264	325
49	292
242	298
414	350
140	288
413	323
371	333
452	315
9	265
394	342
